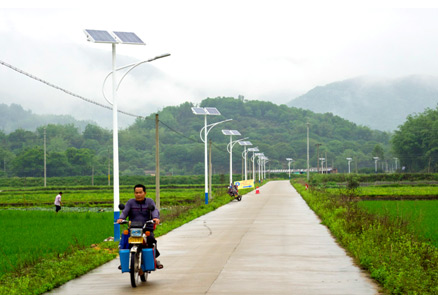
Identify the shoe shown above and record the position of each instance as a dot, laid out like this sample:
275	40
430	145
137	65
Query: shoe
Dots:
119	267
159	265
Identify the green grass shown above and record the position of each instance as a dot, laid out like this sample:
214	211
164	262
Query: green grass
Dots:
28	236
422	215
398	191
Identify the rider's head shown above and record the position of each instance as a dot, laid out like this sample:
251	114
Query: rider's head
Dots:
139	192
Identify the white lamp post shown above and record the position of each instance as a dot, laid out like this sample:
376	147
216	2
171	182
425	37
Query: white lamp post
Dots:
253	150
113	38
375	163
230	133
259	162
322	164
289	160
206	112
244	153
349	161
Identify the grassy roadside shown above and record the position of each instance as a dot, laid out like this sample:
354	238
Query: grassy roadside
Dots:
54	271
401	261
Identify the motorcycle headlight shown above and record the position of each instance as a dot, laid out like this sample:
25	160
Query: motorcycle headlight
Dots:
136	232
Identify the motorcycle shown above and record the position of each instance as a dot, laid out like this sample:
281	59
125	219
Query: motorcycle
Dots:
234	193
139	257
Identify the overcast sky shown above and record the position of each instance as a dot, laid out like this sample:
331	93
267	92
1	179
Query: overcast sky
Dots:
264	50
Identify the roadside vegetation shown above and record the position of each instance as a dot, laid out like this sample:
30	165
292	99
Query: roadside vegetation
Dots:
395	243
41	249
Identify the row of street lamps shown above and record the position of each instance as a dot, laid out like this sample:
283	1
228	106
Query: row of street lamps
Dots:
206	111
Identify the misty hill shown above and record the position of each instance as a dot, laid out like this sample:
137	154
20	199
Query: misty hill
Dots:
14	117
378	104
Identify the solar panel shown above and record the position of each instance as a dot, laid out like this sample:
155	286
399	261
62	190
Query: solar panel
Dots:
231	132
289	159
99	36
253	149
128	38
245	143
212	111
199	111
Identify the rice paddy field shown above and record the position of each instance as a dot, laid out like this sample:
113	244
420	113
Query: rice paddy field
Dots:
32	231
27	236
422	215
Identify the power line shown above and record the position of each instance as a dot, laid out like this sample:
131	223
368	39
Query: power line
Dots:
64	90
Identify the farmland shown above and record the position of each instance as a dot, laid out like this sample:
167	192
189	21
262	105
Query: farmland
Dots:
41	249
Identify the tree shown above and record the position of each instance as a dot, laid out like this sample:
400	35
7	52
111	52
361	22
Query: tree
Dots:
29	163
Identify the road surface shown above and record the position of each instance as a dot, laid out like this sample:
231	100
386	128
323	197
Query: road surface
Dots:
269	243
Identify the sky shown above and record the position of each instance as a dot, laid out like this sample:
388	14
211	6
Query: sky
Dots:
264	50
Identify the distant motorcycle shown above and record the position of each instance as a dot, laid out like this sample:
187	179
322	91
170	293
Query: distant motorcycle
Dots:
234	193
139	257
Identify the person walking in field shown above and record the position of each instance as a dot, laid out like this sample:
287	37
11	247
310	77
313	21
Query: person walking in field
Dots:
58	202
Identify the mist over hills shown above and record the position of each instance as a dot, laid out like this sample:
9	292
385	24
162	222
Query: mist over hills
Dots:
14	117
381	104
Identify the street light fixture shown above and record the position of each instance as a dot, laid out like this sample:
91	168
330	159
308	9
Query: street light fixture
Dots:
259	162
253	150
289	160
230	133
244	153
322	164
207	111
113	38
375	163
349	161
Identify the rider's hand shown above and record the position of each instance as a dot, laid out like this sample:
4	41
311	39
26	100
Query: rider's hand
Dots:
157	221
119	220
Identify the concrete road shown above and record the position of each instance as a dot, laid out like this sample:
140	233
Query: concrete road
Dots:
269	243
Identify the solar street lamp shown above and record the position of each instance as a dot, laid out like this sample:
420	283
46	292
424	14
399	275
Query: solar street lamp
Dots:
289	160
230	133
113	38
349	161
244	153
259	162
206	112
375	163
322	164
253	150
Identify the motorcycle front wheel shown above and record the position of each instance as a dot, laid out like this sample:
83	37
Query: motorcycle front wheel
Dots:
135	270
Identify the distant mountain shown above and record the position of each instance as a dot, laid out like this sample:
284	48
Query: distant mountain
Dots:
378	104
15	117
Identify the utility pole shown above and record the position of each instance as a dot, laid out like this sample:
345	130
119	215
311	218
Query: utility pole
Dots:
157	164
209	171
45	161
317	155
308	167
109	163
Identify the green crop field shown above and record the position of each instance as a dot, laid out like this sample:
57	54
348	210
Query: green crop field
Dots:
29	235
398	190
422	214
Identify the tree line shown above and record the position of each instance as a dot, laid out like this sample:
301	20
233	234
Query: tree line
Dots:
278	131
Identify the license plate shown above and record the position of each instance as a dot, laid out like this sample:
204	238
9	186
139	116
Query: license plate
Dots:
135	240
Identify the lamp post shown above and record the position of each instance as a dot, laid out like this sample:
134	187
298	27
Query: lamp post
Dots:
308	165
375	163
322	164
253	150
289	160
230	133
349	161
113	38
259	162
207	111
244	153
